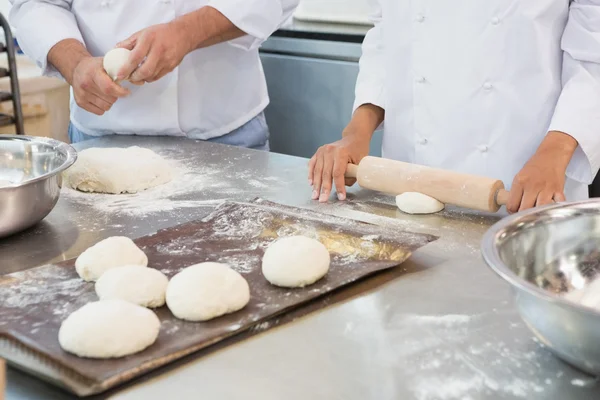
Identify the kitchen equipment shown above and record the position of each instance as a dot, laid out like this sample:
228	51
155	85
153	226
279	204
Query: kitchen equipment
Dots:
30	179
236	234
544	253
396	177
8	47
336	11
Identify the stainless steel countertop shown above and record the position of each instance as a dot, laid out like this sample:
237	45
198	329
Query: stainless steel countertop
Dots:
447	329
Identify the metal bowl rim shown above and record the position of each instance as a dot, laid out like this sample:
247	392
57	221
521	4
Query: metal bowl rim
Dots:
492	258
68	150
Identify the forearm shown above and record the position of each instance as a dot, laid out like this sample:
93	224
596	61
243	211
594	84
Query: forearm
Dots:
365	120
66	55
207	26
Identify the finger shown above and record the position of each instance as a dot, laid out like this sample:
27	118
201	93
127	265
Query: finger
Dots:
137	83
327	180
138	53
91	107
108	88
311	168
339	169
318	176
544	198
559	197
149	68
99	102
514	198
529	199
130	42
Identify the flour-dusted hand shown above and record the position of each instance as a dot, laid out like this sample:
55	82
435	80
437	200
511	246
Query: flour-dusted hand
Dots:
155	51
542	179
93	89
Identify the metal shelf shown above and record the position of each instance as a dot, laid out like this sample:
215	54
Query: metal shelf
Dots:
11	72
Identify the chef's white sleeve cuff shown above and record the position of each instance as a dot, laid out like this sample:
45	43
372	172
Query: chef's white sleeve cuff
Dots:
39	27
257	18
577	114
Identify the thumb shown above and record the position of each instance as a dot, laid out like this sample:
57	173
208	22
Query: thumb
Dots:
129	43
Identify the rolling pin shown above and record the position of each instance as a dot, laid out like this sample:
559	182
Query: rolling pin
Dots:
396	177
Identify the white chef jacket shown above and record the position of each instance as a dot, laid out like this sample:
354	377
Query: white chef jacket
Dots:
474	86
214	91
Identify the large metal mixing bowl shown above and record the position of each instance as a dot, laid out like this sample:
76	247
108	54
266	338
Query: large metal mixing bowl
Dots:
30	179
544	253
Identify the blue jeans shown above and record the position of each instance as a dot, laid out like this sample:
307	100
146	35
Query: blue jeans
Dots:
252	135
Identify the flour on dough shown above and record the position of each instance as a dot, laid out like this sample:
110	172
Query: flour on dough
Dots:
135	284
295	261
118	170
418	203
108	329
114	60
116	251
206	291
588	296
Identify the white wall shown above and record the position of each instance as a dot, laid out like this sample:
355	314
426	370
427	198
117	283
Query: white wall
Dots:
4	8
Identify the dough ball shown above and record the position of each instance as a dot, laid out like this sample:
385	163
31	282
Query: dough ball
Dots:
418	203
295	261
108	329
117	170
114	60
5	183
116	251
136	284
206	291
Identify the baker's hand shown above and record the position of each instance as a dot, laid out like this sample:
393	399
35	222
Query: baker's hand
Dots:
93	89
329	165
542	179
155	51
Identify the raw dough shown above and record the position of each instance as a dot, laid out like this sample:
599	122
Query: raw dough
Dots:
136	284
116	251
5	183
295	261
418	203
588	296
205	291
108	329
117	170
114	60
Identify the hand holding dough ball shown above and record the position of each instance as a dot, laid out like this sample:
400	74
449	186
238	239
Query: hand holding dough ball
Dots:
418	203
114	60
108	329
116	251
206	291
135	284
295	261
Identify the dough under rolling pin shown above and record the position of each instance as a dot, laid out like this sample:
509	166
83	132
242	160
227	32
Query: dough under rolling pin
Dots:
396	177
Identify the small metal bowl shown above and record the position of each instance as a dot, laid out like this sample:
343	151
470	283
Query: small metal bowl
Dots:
30	179
544	253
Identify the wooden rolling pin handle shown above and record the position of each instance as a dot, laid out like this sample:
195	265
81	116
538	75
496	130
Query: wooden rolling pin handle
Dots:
351	171
502	197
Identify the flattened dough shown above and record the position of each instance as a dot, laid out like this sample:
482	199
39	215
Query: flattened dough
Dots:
135	284
206	291
118	170
418	203
295	261
108	329
115	251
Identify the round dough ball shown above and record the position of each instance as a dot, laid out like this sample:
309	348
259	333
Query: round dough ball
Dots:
114	60
108	329
418	203
295	261
118	170
206	291
116	251
135	284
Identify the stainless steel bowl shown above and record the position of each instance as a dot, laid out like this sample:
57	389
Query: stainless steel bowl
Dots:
545	253
30	179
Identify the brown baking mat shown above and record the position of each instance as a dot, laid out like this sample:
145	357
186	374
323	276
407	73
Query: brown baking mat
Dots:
36	301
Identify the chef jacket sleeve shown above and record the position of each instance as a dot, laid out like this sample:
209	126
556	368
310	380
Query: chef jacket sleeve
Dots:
258	18
577	112
39	25
370	82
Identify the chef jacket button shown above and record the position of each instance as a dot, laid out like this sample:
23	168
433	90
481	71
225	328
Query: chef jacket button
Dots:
423	141
495	21
420	79
483	148
487	86
420	18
